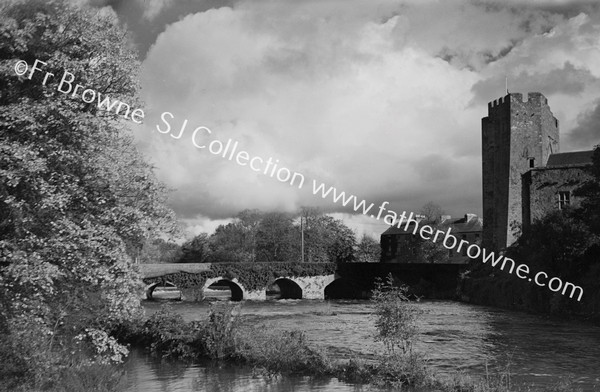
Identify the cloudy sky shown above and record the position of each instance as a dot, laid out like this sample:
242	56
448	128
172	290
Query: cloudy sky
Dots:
381	98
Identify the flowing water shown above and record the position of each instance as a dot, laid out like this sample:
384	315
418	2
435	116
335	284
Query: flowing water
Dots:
454	336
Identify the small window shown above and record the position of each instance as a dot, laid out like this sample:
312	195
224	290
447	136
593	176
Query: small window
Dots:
531	162
564	199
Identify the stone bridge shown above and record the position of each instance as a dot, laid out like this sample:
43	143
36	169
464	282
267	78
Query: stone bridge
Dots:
251	281
246	281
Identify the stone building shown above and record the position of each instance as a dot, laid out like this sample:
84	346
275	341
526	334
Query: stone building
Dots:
402	246
524	175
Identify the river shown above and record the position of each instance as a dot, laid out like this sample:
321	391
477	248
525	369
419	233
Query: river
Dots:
454	337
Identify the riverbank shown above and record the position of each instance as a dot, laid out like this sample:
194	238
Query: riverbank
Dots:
505	291
318	318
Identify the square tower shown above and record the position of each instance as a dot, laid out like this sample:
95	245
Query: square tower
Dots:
516	136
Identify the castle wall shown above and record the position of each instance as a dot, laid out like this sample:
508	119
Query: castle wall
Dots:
515	135
541	188
495	137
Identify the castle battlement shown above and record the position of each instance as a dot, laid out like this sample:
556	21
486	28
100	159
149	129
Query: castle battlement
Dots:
518	135
532	98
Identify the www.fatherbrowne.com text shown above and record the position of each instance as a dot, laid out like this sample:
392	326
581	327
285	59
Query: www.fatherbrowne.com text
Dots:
272	168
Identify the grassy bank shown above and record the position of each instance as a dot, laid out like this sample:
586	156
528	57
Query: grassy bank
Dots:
225	336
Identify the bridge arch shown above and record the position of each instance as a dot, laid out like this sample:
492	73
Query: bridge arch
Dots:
150	289
288	288
342	288
237	290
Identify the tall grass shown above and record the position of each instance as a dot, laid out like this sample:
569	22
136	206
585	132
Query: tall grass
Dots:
281	352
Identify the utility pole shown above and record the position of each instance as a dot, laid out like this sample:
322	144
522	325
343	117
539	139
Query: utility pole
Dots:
302	235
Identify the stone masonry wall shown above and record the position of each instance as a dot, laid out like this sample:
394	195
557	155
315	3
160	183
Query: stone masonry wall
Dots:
514	132
542	186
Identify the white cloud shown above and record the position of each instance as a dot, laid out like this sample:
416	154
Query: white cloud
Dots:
369	98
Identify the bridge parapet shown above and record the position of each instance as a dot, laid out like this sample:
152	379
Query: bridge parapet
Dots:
246	280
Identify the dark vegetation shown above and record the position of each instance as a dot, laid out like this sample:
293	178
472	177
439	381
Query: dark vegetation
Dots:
565	244
77	200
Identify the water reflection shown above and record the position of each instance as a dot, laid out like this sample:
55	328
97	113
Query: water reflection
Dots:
148	375
454	337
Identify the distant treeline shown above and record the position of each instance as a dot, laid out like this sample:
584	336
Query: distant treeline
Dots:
254	236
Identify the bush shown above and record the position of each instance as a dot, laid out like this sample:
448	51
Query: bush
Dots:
166	334
281	352
355	371
401	369
396	317
218	333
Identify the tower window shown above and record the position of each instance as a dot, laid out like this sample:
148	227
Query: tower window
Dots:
564	199
531	162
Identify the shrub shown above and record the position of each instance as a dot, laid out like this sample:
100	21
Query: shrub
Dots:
396	316
281	352
396	329
399	369
355	371
166	334
218	333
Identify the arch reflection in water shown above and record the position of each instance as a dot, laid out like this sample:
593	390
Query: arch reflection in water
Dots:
163	291
343	289
224	289
284	288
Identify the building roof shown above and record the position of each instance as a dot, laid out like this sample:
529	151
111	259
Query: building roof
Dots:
570	158
468	223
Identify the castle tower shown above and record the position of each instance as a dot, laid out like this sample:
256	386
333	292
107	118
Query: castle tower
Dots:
516	136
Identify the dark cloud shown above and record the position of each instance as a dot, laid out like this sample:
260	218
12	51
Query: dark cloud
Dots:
382	99
587	132
145	30
567	80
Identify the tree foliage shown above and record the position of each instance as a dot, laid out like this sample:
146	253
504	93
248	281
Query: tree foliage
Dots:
396	316
160	251
558	244
433	212
77	200
326	238
276	236
367	250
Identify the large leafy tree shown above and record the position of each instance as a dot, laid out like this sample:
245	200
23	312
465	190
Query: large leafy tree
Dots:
368	250
276	238
195	250
160	251
77	200
235	241
326	239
